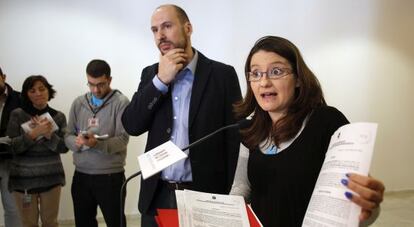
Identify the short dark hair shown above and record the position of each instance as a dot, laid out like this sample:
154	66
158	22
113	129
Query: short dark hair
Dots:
97	68
29	83
1	72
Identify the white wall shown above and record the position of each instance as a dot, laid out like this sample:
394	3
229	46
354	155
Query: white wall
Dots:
362	52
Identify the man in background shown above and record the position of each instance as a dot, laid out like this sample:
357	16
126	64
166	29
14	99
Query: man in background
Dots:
183	98
9	100
99	144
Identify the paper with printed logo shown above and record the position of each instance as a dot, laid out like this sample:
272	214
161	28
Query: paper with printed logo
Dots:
200	209
350	151
159	158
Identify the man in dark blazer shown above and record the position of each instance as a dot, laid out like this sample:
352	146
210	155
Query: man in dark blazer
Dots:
9	100
183	98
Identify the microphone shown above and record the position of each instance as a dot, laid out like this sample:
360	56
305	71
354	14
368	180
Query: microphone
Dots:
244	123
240	124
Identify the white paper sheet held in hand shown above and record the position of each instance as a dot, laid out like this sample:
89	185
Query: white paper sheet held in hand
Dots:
5	140
350	151
29	125
159	158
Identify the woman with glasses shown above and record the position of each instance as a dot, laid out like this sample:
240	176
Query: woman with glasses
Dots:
36	175
288	136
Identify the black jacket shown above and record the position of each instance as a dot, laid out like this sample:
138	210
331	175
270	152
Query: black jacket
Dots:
213	162
12	102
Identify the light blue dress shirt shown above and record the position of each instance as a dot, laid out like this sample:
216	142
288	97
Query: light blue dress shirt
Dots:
181	96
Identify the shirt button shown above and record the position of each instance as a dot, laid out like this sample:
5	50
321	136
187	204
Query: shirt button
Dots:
175	117
176	98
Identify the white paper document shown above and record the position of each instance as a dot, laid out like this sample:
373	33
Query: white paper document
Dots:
98	137
199	209
159	158
350	151
5	140
101	137
29	125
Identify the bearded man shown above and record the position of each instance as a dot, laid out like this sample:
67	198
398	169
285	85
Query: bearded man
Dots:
183	98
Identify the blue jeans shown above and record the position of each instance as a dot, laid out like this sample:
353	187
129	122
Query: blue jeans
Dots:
11	213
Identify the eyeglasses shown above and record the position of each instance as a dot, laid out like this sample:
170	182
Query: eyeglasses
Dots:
99	85
273	74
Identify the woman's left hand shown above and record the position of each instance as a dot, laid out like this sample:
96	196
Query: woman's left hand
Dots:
369	193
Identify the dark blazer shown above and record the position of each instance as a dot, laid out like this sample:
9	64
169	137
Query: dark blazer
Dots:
213	162
12	102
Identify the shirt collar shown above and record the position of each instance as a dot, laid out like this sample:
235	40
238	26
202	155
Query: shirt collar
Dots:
96	101
193	63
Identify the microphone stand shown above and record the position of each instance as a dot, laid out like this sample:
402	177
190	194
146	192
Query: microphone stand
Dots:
238	124
209	135
123	192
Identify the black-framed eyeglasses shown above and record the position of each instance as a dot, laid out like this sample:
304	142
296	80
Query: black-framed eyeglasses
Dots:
99	85
273	74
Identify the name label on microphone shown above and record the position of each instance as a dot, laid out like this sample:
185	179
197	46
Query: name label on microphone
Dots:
160	158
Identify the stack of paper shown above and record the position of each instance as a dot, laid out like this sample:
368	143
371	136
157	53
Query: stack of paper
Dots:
206	209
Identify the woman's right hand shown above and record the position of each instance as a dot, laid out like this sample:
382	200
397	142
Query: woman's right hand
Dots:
43	127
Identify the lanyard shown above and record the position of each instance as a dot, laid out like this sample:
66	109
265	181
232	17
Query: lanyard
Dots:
95	111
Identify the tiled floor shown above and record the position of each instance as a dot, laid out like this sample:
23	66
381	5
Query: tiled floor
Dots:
132	221
397	210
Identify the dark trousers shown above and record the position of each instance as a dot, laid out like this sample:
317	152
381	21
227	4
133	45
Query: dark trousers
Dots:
164	198
91	191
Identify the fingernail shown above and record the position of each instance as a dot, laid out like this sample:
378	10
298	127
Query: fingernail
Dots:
348	195
344	182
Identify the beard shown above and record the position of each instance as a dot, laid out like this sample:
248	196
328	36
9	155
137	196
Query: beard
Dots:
182	43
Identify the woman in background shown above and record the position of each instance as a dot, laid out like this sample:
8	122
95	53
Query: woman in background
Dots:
288	137
36	174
